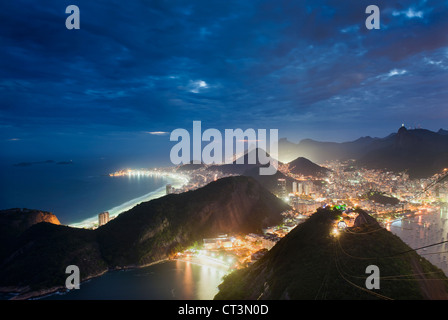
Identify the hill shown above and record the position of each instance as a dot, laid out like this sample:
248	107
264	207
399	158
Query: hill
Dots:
305	167
312	263
153	230
14	222
149	232
248	161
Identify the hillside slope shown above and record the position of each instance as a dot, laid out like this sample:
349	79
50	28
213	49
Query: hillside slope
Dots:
311	263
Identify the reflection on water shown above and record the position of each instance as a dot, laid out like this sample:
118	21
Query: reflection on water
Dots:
425	229
179	280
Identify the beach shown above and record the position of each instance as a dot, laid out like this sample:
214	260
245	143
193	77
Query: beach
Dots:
176	181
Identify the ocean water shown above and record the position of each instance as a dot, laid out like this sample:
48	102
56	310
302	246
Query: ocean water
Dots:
423	229
76	192
170	280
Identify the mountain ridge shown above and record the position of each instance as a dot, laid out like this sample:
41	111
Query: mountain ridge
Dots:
420	152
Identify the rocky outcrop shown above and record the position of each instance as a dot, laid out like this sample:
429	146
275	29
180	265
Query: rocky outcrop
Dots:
21	219
14	222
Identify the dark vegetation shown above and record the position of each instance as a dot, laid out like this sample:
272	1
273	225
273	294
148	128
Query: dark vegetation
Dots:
311	263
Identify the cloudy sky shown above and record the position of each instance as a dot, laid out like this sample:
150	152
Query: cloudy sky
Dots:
137	69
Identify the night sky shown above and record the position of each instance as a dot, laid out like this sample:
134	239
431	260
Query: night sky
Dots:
139	69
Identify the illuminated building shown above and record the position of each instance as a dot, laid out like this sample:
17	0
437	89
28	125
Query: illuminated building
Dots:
282	188
103	218
217	243
300	188
294	187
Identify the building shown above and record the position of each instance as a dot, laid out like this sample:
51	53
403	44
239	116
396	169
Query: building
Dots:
294	187
304	187
267	240
282	193
169	189
103	218
308	187
216	243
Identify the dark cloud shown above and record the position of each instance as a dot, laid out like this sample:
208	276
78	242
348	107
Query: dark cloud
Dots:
157	65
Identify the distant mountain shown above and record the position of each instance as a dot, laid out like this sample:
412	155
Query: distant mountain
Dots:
420	152
305	167
149	232
319	152
241	164
310	263
443	132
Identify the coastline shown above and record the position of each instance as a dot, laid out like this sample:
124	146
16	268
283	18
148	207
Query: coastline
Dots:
23	293
176	180
26	295
42	293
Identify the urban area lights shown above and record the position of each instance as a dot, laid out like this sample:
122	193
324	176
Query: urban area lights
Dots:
342	190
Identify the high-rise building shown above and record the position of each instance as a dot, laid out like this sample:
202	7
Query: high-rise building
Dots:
300	188
294	187
169	189
103	218
282	188
308	187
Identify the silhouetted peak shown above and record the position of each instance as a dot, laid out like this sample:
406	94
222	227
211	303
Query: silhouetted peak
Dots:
402	130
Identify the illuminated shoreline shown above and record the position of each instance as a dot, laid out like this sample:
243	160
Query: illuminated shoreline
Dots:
176	181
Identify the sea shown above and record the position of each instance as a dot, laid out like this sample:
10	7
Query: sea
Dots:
426	231
76	191
168	280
